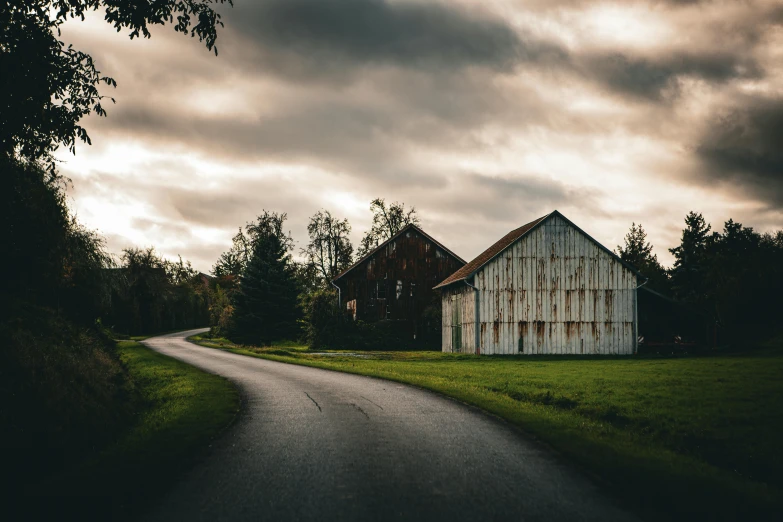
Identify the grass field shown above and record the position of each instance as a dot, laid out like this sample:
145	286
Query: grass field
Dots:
688	437
178	411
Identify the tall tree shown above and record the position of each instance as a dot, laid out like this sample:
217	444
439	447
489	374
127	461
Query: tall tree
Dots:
688	273
47	87
329	251
265	307
387	220
639	253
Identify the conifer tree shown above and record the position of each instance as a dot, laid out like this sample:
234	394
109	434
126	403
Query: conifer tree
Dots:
639	253
265	308
688	273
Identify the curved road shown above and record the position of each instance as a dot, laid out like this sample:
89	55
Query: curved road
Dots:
314	444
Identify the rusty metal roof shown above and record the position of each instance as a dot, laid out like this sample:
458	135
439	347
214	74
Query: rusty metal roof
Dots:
395	236
484	257
506	241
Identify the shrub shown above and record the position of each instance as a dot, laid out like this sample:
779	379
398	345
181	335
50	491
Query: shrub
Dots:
66	392
325	326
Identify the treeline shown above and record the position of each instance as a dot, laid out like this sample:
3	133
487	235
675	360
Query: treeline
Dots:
149	294
65	390
724	287
261	294
54	262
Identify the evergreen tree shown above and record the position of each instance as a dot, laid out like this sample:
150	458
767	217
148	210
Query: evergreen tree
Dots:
639	253
265	307
688	273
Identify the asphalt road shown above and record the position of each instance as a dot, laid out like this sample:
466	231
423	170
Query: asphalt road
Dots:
314	444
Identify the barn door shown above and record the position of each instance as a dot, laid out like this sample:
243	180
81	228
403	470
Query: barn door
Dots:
456	324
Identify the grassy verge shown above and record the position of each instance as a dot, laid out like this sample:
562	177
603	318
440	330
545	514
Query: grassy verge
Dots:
686	438
177	408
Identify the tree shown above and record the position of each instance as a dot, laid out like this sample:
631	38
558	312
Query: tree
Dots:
689	271
53	261
47	87
221	312
386	221
265	307
325	326
231	263
639	253
329	251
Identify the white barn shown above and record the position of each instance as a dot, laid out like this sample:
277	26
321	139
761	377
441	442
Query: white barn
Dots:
544	288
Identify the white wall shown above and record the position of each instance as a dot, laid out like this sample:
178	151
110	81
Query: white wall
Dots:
552	292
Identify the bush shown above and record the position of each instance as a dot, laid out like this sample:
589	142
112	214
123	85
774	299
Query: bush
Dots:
325	326
66	393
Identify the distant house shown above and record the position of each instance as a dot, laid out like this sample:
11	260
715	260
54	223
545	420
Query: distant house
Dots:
545	288
394	282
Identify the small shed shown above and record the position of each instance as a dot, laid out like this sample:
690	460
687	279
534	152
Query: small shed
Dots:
546	287
395	281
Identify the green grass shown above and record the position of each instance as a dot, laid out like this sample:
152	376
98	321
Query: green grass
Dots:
178	411
687	437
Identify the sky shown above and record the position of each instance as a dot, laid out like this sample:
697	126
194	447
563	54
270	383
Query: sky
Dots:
483	115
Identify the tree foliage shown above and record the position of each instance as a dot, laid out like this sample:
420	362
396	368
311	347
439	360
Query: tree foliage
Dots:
726	284
325	327
387	220
232	262
690	259
152	294
639	253
47	87
50	260
329	251
265	305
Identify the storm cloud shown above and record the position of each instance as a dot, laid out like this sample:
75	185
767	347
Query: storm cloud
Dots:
744	147
654	78
354	33
482	115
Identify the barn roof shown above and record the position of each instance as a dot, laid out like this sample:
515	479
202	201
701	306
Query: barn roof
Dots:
395	236
509	239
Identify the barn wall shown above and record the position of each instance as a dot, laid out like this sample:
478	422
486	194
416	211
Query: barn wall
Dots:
396	281
556	292
466	313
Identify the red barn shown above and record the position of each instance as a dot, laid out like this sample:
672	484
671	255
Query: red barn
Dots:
395	281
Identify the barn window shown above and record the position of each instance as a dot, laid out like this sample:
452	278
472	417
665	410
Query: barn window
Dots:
413	285
399	288
380	289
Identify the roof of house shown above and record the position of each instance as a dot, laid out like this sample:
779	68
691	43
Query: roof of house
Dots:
395	236
509	239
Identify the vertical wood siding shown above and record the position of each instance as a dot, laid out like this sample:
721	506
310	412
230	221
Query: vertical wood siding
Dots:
552	292
467	314
395	282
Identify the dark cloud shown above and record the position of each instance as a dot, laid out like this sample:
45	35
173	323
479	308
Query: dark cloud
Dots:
354	140
744	147
328	34
654	78
425	102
